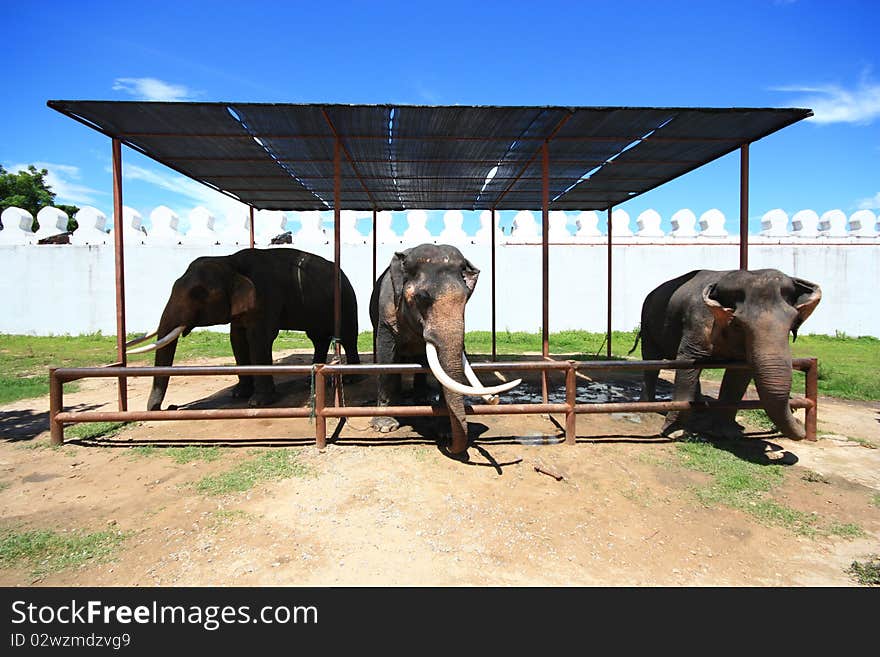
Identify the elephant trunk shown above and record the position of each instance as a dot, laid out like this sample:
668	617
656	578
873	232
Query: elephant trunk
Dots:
772	376
450	361
447	335
164	358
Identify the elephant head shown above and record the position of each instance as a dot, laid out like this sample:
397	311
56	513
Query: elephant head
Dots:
431	286
755	311
209	292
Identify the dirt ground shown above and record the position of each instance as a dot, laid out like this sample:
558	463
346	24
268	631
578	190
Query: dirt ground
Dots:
393	510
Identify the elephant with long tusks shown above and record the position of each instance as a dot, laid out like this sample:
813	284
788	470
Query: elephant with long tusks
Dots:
417	309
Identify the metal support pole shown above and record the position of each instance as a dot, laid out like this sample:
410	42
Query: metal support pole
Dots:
608	292
570	401
374	280
492	238
320	403
812	393
545	262
337	270
118	246
56	403
251	227
744	207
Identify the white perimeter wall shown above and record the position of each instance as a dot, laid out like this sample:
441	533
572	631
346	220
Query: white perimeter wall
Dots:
69	289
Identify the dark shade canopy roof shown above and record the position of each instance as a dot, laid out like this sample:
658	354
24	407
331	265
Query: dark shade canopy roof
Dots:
396	157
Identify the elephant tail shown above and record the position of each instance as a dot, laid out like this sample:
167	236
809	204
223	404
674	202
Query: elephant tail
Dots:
636	343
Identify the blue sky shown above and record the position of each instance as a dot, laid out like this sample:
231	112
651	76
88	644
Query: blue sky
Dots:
758	53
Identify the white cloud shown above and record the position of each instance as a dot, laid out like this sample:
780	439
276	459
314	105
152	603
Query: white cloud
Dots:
835	104
219	204
872	203
153	89
62	179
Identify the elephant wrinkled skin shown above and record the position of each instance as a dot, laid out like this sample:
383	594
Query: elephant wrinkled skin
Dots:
728	315
258	292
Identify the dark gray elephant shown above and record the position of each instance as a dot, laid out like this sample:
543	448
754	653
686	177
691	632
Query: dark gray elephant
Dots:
258	292
417	309
728	315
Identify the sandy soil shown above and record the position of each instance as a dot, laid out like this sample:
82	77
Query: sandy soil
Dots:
392	510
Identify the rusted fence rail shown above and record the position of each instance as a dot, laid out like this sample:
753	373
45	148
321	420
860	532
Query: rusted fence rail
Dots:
320	410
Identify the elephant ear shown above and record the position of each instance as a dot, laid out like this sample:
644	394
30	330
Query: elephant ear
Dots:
722	315
470	275
243	296
397	272
807	297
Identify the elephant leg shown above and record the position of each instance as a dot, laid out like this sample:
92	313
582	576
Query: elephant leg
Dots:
685	389
650	351
260	339
321	344
389	384
733	387
240	349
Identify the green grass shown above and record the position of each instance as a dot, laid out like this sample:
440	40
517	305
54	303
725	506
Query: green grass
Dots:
44	551
264	466
743	485
756	418
182	455
563	342
866	573
94	430
142	451
227	516
847	366
875	500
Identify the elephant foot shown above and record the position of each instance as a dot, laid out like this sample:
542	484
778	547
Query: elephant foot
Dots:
242	390
384	424
262	398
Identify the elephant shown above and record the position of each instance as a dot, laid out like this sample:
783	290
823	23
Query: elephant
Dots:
258	292
417	310
728	315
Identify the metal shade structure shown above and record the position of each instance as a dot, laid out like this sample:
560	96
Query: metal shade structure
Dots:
398	157
337	157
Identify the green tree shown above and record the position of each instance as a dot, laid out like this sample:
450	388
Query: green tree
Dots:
28	190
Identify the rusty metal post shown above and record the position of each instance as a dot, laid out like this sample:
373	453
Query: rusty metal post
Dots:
118	247
570	401
812	393
744	206
251	227
56	403
320	404
608	293
374	278
545	262
337	269
492	238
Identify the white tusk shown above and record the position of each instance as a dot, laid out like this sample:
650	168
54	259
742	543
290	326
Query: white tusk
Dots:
171	337
448	382
472	377
141	339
